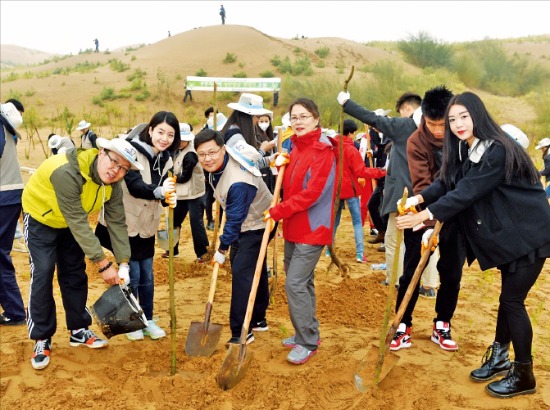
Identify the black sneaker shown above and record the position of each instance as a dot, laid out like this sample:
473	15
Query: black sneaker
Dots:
6	321
41	354
261	326
235	340
87	338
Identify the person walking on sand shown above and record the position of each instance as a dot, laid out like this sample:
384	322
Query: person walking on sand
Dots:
491	185
222	14
57	200
96	42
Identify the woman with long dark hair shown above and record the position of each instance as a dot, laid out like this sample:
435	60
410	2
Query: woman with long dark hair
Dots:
490	183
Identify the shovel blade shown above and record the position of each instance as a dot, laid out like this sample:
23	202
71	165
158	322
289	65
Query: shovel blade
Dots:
365	372
234	367
200	342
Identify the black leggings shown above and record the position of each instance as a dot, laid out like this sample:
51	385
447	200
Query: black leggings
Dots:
513	323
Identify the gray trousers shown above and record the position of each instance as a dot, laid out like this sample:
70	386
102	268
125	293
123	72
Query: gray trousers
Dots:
300	261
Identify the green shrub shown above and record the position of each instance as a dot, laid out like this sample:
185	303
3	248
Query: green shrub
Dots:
118	66
323	52
229	58
30	93
423	51
108	93
320	64
240	74
10	77
267	74
201	73
137	74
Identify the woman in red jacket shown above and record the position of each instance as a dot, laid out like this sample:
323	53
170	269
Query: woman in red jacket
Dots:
307	214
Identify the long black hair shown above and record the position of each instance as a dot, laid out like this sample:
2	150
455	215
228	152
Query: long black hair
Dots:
485	128
245	124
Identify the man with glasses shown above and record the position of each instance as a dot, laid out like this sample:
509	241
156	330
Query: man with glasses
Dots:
240	189
57	200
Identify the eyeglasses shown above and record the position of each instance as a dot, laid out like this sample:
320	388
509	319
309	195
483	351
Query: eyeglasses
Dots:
210	154
116	165
302	118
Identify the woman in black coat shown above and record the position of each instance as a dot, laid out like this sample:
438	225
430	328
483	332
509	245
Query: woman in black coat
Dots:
490	183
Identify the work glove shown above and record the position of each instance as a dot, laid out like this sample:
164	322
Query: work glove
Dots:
124	274
408	207
280	159
218	258
169	185
171	199
362	182
343	96
426	239
369	153
269	220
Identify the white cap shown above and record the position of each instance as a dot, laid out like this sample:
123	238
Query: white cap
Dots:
121	147
545	142
516	134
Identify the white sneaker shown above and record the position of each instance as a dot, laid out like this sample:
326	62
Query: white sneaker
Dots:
153	330
137	335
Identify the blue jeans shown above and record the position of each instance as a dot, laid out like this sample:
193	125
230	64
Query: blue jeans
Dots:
143	284
354	207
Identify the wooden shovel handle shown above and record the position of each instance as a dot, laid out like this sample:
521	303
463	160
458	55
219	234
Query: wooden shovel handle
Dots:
260	262
414	281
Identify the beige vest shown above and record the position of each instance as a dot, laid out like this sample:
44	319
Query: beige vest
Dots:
234	173
194	188
143	215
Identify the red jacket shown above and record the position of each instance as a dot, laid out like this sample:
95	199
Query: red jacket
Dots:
354	167
307	209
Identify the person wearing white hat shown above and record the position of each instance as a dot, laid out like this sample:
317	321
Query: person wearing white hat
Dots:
242	193
59	144
144	193
516	134
544	145
241	126
57	201
11	188
88	137
190	189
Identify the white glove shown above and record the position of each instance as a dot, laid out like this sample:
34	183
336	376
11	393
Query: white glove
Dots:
124	274
169	185
219	258
343	96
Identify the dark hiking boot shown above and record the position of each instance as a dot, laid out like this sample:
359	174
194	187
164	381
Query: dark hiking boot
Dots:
519	380
379	238
495	362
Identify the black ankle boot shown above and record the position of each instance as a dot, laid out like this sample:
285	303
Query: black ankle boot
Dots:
519	380
495	362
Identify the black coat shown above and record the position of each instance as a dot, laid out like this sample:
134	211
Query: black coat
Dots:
502	221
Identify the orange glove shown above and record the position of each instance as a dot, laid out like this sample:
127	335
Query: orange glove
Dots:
269	220
362	182
426	240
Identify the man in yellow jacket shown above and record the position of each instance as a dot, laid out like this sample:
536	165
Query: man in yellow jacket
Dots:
57	200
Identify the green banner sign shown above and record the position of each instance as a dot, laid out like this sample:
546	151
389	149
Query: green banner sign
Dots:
233	84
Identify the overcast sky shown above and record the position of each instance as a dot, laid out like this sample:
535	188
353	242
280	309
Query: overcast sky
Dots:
66	27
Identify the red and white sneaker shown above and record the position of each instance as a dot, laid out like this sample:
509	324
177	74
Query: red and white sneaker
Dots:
441	335
402	338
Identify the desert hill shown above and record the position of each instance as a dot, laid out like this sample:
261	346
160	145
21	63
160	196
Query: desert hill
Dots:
58	87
